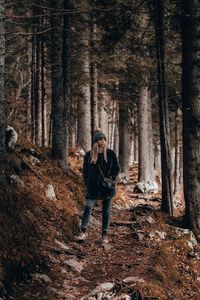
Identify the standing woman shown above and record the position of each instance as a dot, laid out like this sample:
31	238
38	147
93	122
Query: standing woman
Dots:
98	163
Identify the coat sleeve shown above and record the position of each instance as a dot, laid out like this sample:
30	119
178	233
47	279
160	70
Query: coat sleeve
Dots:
115	167
86	168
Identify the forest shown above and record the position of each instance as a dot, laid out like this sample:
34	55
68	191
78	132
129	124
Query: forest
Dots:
73	73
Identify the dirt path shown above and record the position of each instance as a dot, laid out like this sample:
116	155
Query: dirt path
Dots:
96	264
157	258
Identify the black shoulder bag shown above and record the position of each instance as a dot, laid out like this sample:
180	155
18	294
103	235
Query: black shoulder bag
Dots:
107	183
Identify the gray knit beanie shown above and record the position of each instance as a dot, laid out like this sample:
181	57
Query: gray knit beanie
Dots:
98	136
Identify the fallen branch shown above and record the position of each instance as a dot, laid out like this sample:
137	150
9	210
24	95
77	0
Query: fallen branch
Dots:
122	223
145	197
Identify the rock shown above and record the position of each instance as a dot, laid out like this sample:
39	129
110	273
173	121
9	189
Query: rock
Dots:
99	290
157	235
62	245
123	297
150	220
17	181
52	290
11	136
70	297
42	277
50	193
198	278
80	153
34	160
122	178
75	265
147	187
181	231
132	280
140	235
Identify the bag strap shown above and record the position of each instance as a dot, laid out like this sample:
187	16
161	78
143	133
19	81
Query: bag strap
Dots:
101	171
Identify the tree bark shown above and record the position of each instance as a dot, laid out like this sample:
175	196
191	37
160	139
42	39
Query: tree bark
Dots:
124	137
2	97
84	99
94	77
103	113
167	198
66	67
177	154
59	108
116	132
145	139
191	111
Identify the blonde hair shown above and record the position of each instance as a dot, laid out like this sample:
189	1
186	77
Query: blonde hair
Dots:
94	153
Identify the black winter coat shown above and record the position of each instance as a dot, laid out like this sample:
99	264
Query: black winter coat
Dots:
93	178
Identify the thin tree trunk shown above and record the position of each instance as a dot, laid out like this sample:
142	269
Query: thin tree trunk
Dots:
124	138
66	68
145	141
112	125
157	162
177	154
103	114
191	112
116	132
33	68
43	90
37	86
59	108
136	141
2	97
167	198
84	101
94	77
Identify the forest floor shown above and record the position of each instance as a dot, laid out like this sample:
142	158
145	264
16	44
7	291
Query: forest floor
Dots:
149	255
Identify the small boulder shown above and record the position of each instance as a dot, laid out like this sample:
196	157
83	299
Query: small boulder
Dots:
50	193
147	187
132	280
75	265
99	291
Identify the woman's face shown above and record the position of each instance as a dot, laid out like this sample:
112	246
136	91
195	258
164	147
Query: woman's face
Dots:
101	142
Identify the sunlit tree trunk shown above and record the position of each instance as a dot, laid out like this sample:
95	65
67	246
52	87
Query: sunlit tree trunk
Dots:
145	138
103	113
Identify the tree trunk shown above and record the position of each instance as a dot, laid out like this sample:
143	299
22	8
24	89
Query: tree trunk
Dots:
59	108
124	137
135	142
191	111
145	140
94	76
37	86
33	68
177	154
116	131
157	162
2	98
84	99
66	68
43	89
103	114
167	198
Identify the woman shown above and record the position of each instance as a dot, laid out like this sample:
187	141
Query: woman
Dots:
98	163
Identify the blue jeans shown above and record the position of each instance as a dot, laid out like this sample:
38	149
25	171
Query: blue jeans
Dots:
105	213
